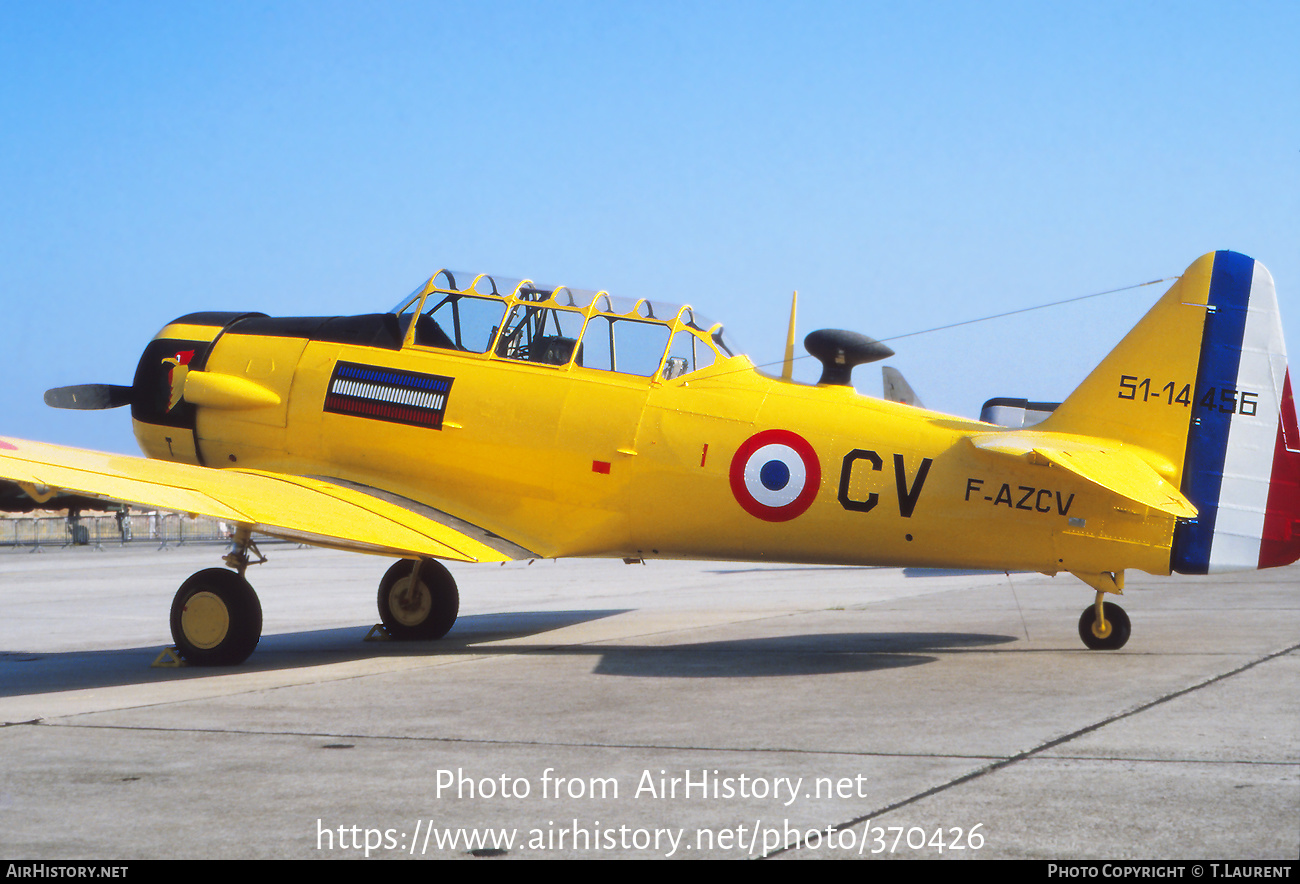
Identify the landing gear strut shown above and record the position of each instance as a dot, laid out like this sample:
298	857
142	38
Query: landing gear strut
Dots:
1104	626
418	600
216	617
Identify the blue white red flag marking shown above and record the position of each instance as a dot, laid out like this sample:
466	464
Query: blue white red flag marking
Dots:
403	397
1238	470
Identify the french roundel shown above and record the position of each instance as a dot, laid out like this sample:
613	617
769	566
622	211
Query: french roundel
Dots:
775	475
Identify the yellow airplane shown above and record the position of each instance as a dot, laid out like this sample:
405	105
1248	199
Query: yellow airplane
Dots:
482	420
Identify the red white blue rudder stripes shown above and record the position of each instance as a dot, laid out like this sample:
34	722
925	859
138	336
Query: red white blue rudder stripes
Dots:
1237	440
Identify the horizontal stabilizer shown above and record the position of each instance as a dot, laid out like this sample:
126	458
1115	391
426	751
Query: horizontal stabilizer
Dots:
1016	413
1114	469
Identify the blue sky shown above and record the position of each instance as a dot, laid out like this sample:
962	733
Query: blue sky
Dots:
901	165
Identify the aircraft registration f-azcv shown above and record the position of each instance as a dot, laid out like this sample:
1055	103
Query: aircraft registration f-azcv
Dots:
482	420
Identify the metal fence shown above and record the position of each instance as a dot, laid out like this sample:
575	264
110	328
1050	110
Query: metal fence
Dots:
110	529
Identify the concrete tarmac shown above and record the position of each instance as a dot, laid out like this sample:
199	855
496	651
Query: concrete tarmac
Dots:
683	709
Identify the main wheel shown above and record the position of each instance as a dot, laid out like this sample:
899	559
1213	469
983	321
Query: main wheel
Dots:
216	618
418	610
1116	619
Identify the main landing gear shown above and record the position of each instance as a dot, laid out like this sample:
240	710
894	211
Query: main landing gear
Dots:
1103	626
418	600
216	617
217	620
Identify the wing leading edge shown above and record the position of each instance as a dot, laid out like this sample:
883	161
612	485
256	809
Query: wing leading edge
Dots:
306	509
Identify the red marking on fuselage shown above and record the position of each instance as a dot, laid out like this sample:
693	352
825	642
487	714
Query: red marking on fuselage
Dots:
600	466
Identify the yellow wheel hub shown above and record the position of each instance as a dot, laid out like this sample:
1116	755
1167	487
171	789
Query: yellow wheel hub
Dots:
205	620
410	602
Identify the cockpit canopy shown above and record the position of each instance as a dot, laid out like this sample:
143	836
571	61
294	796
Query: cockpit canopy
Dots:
559	326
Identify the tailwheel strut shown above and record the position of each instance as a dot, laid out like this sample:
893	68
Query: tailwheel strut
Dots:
216	617
1102	626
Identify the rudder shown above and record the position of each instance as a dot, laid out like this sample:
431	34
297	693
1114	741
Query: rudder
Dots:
1237	443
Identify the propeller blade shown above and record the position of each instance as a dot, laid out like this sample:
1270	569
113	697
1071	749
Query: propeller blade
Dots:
88	397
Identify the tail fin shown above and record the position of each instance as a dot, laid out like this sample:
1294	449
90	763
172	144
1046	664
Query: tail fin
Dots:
1201	384
897	389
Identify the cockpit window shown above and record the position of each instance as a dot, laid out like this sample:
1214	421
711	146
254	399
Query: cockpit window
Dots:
624	345
541	334
723	343
688	353
460	322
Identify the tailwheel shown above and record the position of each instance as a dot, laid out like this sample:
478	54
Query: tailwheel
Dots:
418	600
1111	634
216	618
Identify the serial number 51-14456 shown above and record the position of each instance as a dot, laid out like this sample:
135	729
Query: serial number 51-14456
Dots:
1223	400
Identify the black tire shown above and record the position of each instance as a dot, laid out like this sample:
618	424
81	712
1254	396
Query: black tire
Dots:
216	618
1120	628
426	611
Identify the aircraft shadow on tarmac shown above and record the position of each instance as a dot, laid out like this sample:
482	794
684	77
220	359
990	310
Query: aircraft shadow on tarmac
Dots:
792	655
35	672
24	673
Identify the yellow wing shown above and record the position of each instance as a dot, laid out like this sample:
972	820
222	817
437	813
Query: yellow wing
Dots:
312	510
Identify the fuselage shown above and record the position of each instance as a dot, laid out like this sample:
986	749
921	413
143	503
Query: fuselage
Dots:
570	456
